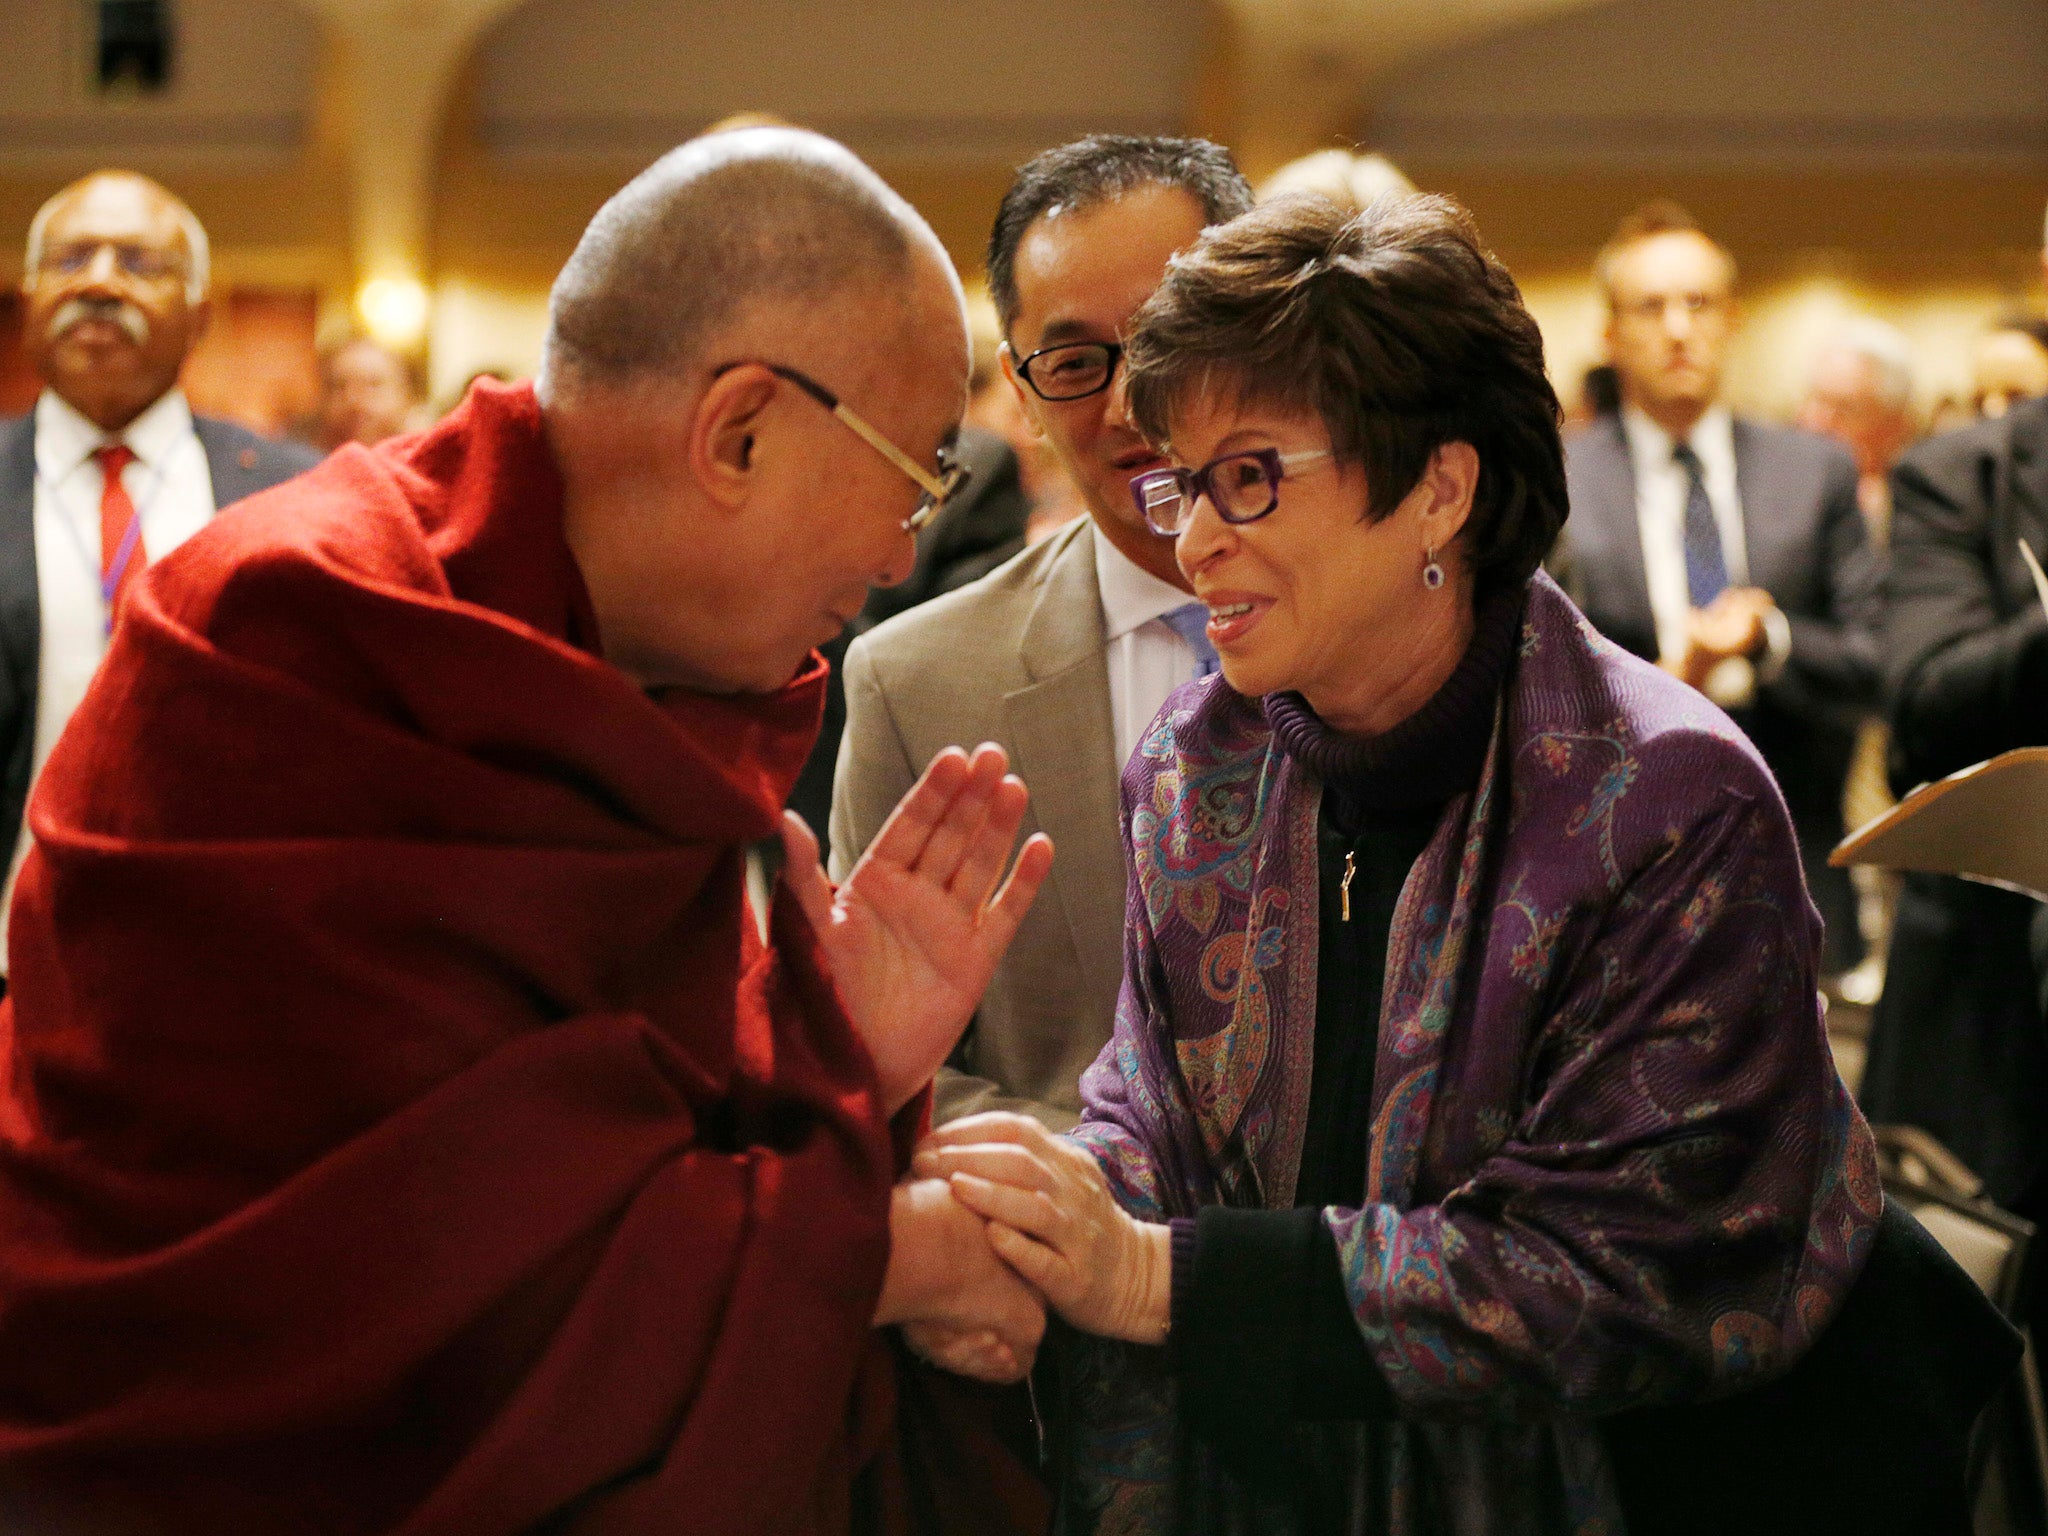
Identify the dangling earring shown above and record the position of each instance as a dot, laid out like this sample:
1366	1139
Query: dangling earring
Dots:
1432	573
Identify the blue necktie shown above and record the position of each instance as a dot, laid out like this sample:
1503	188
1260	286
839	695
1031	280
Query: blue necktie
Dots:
1191	622
1706	564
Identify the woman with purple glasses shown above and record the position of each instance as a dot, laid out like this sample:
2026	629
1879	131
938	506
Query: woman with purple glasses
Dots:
1469	1090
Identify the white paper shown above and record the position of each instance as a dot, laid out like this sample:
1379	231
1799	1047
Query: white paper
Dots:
2034	570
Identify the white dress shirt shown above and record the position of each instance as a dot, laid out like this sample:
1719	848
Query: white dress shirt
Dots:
1146	659
172	489
1662	488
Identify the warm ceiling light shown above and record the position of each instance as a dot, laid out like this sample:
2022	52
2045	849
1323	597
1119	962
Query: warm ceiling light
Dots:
394	309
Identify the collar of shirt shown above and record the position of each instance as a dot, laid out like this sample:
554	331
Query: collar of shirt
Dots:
1661	484
1651	447
1131	595
65	439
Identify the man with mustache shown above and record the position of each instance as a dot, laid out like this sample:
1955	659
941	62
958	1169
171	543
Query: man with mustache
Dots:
111	470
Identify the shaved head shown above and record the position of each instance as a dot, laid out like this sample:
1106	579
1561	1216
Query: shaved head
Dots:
724	323
712	235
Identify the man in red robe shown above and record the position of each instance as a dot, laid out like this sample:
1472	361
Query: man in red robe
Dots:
405	1126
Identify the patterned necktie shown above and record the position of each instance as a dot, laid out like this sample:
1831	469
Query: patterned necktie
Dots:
1191	622
1706	564
121	552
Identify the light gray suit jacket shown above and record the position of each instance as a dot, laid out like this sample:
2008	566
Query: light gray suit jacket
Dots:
1016	658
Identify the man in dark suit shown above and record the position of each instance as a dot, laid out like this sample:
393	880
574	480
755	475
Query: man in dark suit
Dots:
111	470
1729	552
1957	1044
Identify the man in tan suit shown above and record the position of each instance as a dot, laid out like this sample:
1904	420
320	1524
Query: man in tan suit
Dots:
1064	654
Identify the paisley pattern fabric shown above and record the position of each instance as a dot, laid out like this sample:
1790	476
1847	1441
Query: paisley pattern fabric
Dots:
1612	1164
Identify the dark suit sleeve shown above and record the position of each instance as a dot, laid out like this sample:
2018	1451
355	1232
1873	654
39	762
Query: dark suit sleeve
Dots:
1563	566
1965	681
1834	673
1263	1331
240	463
20	622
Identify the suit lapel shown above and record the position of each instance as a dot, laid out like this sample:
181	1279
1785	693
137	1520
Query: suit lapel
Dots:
2028	491
21	617
1617	533
1064	743
1766	540
233	474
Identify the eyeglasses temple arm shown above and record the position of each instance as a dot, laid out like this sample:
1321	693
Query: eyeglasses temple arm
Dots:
888	450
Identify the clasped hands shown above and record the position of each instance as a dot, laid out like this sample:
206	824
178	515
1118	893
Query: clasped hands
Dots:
1053	1223
1732	625
1000	1218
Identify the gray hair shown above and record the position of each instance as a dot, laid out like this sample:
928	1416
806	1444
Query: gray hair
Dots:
714	229
1353	180
1885	347
198	251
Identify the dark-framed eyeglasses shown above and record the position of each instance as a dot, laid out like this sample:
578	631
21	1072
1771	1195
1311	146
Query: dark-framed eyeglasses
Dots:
1242	487
938	489
141	262
1071	371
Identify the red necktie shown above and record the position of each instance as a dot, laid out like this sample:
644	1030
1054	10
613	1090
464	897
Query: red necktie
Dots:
121	552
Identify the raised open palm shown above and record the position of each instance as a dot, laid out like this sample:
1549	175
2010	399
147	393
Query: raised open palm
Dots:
915	930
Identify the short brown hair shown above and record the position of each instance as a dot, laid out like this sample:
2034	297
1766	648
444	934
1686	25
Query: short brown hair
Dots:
1396	327
1661	216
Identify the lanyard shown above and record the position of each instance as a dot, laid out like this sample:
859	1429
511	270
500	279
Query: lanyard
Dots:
131	537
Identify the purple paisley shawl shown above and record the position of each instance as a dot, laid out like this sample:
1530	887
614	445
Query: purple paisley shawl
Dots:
1612	1163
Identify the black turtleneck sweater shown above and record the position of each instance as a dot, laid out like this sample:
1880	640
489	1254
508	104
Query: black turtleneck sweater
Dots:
1263	1335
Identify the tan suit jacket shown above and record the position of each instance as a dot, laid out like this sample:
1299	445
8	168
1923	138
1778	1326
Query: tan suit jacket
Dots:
1016	658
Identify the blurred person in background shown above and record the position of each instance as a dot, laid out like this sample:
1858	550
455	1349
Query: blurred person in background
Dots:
1599	395
1063	655
1956	1042
1949	412
368	392
1351	179
1732	553
1860	393
2010	365
111	470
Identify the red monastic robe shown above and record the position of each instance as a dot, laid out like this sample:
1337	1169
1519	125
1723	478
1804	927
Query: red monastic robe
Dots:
402	1128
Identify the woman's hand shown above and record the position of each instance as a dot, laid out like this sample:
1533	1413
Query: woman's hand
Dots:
916	929
1053	1220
